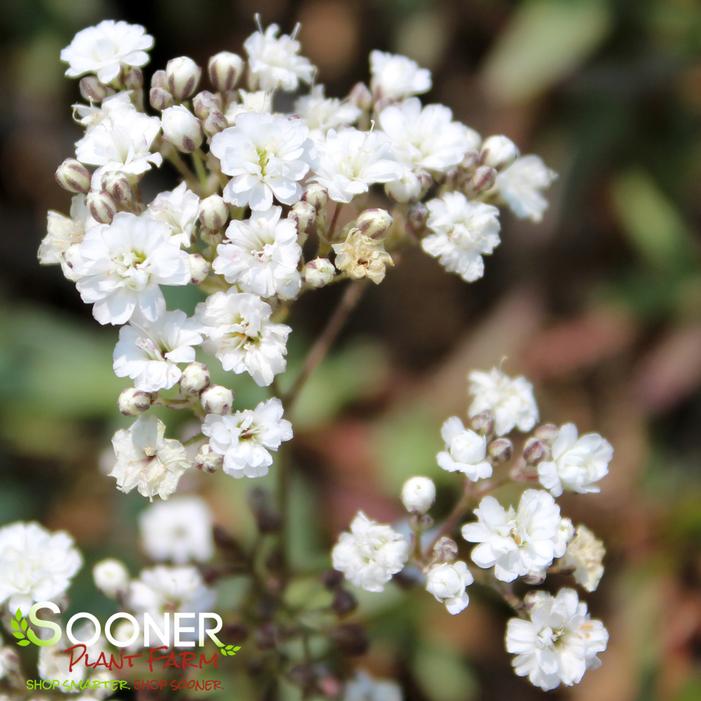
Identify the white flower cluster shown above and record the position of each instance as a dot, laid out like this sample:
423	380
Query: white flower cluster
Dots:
559	641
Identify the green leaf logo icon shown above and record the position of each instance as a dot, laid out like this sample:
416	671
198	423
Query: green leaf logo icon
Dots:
228	650
19	629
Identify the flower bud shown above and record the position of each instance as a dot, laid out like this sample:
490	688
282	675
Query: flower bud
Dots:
319	272
408	188
225	69
183	76
445	549
316	196
160	99
374	223
133	402
214	213
132	77
360	96
498	152
418	494
535	451
500	450
484	177
483	423
111	577
217	399
92	90
159	79
205	102
547	432
199	268
215	122
101	206
181	128
303	215
73	176
207	460
118	187
194	379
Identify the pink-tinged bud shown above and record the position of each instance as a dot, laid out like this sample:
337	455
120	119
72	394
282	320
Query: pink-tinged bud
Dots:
483	178
225	70
160	99
101	206
199	268
498	152
73	176
205	102
374	223
183	76
217	399
194	379
214	212
181	128
215	122
92	90
118	187
133	402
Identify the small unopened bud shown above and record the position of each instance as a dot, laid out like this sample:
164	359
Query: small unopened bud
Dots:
214	213
319	272
225	69
214	123
535	451
417	217
547	432
217	399
498	152
183	76
133	78
360	96
194	379
93	90
418	494
73	176
304	215
408	188
199	268
181	128
445	549
500	450
111	577
133	402
207	460
351	639
205	102
118	187
160	99
159	79
316	196
343	602
101	206
483	178
374	223
483	423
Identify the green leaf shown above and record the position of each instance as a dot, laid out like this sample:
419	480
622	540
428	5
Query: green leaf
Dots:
18	635
18	615
24	624
23	643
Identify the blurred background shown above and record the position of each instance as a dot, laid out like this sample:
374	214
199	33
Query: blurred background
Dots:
600	306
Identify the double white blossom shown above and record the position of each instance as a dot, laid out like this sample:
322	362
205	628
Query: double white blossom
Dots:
461	233
558	643
584	555
177	208
245	438
323	113
35	565
448	583
241	335
119	268
393	77
577	462
261	255
266	156
521	184
465	451
105	48
370	553
179	530
509	399
516	542
146	460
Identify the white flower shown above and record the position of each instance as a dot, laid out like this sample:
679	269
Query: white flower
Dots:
146	460
121	141
585	554
577	463
35	565
148	352
179	530
119	268
465	451
418	494
242	336
350	161
324	113
363	687
448	583
274	61
179	209
521	185
259	101
394	77
515	542
261	255
462	232
426	138
266	155
559	642
509	399
91	115
164	589
370	553
111	577
181	128
105	48
246	438
563	536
